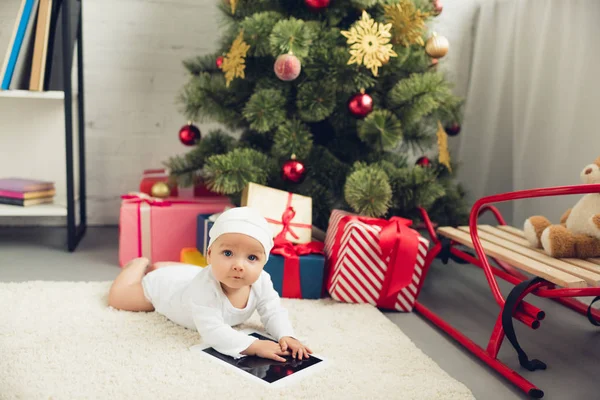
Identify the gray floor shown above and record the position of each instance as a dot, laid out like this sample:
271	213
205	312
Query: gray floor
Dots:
567	342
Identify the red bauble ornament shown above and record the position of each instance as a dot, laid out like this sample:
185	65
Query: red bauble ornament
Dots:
453	129
437	6
219	61
360	105
293	171
287	67
189	134
423	162
434	63
317	5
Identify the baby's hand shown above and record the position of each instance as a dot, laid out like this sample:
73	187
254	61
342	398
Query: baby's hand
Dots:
289	343
266	349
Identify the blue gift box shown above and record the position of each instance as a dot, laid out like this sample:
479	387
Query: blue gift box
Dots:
312	267
203	224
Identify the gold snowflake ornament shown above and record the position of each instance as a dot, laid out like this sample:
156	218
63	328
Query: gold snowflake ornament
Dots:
408	22
444	153
233	4
369	43
234	62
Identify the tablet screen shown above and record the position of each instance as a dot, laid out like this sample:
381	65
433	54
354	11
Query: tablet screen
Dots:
268	370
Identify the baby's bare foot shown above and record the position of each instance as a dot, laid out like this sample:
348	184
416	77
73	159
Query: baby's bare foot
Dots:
140	262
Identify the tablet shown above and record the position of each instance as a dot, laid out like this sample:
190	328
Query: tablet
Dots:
271	373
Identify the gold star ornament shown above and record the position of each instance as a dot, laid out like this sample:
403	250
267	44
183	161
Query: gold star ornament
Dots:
369	43
234	62
408	22
444	153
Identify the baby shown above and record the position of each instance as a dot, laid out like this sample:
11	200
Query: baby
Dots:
219	296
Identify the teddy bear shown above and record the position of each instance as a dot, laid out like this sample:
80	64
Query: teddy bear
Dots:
578	235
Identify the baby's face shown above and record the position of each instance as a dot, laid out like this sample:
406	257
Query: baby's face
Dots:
237	260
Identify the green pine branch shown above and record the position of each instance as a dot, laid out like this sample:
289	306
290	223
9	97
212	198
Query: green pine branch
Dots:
368	191
185	169
381	130
315	101
265	110
230	173
203	63
257	28
205	98
415	187
291	35
419	95
292	138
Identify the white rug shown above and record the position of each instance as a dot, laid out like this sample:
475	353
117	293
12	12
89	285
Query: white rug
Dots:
59	340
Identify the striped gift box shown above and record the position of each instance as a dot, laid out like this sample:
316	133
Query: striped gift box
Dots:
357	272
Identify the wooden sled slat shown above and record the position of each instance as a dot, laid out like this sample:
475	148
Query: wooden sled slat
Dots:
591	278
495	230
519	233
527	264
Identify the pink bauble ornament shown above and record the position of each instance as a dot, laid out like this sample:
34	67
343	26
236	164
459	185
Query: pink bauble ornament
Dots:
219	61
360	105
287	67
317	5
437	6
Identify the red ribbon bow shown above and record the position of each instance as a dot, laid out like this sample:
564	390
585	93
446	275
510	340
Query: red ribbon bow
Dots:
398	242
291	253
286	220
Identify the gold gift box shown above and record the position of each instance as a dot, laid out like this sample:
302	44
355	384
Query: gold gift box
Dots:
283	210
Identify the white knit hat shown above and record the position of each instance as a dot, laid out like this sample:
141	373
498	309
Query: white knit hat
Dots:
245	220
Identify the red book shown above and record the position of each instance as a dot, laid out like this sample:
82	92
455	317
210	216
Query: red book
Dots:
27	195
24	185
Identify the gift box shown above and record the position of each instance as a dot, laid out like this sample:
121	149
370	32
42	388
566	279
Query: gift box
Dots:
152	176
289	214
374	260
297	271
203	224
159	228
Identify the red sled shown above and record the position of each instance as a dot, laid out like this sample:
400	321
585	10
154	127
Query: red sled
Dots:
557	279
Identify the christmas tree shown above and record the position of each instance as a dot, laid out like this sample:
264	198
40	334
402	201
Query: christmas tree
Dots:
330	100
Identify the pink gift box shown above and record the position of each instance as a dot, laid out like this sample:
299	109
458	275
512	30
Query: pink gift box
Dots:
159	228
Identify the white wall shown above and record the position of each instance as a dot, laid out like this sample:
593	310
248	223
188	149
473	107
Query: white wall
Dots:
133	51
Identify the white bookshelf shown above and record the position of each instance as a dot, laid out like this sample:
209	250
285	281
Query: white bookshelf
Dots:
41	210
42	135
26	94
32	139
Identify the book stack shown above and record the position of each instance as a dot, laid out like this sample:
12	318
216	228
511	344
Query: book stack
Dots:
34	59
26	192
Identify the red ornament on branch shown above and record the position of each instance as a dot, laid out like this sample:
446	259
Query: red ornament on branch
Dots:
437	7
360	105
219	61
317	5
453	129
189	134
287	67
293	171
423	162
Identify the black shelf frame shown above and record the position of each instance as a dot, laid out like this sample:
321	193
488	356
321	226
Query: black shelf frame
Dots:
74	232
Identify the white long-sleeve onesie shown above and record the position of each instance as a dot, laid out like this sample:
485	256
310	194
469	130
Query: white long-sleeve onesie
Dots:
191	296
